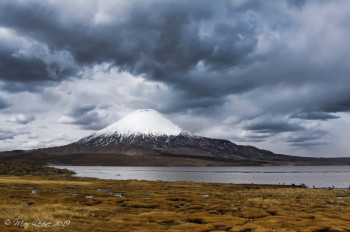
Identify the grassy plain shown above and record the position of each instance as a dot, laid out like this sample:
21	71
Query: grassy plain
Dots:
112	205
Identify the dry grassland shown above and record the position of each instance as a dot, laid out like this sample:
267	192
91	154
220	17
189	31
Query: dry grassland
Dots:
83	204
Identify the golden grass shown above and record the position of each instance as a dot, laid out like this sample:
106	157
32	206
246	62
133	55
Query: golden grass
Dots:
39	181
111	205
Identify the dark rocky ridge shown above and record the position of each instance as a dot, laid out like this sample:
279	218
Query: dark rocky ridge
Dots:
181	145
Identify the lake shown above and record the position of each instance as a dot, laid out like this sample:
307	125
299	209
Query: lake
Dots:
311	176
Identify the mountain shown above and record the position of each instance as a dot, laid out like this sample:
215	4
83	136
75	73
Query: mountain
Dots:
147	138
148	128
140	127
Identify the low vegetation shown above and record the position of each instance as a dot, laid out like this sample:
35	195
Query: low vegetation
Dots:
85	204
22	169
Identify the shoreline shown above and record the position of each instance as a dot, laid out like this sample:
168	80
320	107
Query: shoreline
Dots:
242	184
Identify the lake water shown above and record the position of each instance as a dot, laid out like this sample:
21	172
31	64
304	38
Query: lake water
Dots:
317	176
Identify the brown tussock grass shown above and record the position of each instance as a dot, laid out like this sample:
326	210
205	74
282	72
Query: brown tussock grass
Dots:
111	205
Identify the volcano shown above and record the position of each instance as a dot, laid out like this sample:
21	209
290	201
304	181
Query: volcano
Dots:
141	127
147	138
149	130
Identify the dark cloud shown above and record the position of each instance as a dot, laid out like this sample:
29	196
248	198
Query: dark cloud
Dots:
21	69
306	136
314	115
90	121
81	110
308	144
6	134
204	50
19	72
184	102
85	117
164	41
105	106
256	137
17	86
274	127
3	103
340	104
299	4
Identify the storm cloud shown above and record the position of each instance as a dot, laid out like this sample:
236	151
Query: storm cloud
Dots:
257	69
3	103
177	42
274	127
6	134
314	115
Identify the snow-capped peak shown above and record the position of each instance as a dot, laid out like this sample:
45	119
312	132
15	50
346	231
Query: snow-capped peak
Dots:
142	122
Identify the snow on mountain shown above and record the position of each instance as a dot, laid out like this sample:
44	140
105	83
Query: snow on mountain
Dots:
145	122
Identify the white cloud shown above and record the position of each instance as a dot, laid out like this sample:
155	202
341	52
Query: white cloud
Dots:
21	118
113	95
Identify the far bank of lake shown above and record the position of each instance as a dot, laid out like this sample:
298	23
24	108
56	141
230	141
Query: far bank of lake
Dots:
311	176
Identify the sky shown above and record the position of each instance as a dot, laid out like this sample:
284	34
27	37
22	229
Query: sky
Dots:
272	74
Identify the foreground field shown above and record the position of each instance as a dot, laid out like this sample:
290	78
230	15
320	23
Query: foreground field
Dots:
82	204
